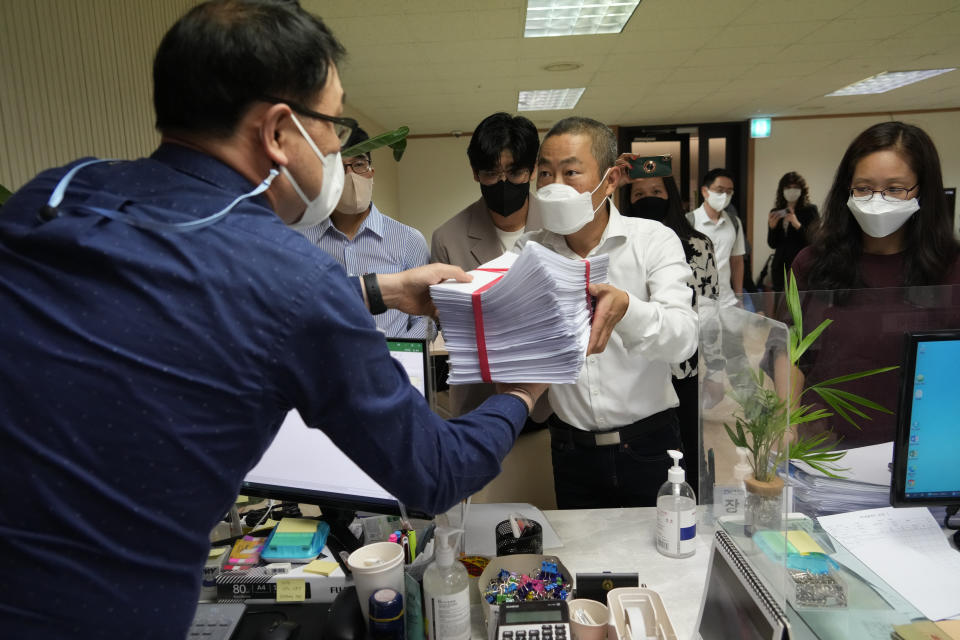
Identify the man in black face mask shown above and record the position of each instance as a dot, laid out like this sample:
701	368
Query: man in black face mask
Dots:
503	152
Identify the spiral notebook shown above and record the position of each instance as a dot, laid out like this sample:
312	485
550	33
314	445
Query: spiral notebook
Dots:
735	603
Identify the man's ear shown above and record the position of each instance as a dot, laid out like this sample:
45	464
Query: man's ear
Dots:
276	132
476	177
612	180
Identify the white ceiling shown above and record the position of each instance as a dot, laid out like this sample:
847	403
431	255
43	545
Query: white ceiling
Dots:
443	65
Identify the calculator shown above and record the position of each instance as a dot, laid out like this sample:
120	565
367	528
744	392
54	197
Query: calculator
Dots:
534	620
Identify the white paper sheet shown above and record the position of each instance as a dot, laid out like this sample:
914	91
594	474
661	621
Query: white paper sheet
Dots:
907	549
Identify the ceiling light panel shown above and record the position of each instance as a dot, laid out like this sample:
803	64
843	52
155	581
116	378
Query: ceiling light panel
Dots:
886	81
547	18
549	99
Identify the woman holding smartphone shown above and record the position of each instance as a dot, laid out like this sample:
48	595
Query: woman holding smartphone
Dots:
791	221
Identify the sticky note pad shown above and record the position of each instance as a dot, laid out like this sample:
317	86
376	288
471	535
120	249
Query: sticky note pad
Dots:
322	567
291	590
297	525
803	542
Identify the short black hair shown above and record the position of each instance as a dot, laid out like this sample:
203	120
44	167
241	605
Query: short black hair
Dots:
603	144
358	136
223	55
711	176
503	132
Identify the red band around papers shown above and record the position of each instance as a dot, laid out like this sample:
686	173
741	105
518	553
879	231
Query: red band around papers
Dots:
589	301
478	324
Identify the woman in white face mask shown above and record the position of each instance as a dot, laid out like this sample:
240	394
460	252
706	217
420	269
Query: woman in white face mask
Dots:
790	223
885	231
885	222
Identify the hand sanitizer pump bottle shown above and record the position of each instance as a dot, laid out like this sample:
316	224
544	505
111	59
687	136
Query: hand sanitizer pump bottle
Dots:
446	595
676	513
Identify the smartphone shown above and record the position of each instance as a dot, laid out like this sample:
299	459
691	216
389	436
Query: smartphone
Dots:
651	167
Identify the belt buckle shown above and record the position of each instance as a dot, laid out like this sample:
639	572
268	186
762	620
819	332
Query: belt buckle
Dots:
607	438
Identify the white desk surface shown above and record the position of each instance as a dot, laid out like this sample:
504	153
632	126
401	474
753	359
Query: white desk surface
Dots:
597	540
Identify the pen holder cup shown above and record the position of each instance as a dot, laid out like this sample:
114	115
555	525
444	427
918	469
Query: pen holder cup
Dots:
530	540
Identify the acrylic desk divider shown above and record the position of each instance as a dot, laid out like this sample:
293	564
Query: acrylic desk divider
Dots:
744	372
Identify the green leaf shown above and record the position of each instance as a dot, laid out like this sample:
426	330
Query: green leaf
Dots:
852	376
793	300
870	404
4	194
806	342
392	139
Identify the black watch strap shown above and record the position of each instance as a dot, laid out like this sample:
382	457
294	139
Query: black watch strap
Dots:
374	297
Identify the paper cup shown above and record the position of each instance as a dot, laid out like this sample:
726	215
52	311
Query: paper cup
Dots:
376	566
598	613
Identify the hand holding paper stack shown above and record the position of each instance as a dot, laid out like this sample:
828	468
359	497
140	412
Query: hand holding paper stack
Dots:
524	318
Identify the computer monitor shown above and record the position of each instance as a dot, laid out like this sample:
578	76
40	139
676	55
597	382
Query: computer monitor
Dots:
925	469
303	464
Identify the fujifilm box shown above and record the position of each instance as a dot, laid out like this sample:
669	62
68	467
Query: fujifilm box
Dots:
255	586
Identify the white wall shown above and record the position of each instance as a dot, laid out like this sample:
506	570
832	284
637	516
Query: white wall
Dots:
813	148
436	182
75	80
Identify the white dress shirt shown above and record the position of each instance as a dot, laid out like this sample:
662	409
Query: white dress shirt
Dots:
630	380
727	241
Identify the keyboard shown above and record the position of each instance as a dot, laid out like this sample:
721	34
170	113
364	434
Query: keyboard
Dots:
214	621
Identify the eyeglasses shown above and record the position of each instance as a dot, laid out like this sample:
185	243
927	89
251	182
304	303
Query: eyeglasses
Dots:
360	166
342	127
728	192
891	194
516	176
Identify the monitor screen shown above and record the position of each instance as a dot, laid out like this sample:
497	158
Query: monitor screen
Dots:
289	468
925	470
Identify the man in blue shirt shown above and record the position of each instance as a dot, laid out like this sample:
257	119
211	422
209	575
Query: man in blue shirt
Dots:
159	321
364	240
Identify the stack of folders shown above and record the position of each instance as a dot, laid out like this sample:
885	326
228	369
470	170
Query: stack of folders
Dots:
523	318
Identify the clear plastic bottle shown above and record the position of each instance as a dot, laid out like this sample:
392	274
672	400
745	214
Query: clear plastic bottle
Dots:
676	513
446	594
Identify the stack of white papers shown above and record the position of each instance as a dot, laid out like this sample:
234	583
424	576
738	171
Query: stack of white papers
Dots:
524	318
867	483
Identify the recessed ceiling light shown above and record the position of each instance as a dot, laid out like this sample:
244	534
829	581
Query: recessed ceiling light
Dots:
548	99
576	17
562	66
887	81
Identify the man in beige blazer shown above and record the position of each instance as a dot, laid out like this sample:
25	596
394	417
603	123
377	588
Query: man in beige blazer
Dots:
503	154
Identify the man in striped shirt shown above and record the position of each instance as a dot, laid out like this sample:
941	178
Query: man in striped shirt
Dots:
364	240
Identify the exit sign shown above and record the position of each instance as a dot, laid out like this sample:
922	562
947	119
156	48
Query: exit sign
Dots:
760	128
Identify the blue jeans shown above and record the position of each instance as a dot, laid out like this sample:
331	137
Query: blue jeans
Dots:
628	474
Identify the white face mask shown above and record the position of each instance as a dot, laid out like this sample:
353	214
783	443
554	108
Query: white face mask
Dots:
791	195
564	210
878	218
357	194
718	201
320	208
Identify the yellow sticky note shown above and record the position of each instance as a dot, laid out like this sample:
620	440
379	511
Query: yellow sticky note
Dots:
803	542
323	567
951	627
297	525
291	590
216	552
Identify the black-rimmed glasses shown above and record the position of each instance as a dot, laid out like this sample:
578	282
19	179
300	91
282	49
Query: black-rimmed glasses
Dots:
342	127
891	194
493	176
360	166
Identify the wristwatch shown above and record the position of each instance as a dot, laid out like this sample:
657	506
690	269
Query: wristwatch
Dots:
374	297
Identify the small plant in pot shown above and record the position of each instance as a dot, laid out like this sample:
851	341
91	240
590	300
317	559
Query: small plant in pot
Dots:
765	422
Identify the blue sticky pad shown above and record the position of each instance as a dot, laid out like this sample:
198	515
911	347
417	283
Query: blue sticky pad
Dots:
295	547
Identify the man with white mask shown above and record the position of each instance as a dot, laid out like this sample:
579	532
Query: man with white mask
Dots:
160	320
364	240
612	428
723	228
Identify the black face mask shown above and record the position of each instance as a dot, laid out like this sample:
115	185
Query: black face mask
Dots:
505	197
651	207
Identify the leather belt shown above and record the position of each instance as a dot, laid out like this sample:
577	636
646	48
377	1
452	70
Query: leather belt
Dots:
564	431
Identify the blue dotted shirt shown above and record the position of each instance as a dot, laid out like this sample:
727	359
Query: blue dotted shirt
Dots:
144	373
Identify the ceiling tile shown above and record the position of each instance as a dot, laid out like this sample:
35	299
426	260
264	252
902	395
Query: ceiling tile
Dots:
773	11
782	33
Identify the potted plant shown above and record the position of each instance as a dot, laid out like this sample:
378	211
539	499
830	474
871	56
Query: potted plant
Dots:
766	421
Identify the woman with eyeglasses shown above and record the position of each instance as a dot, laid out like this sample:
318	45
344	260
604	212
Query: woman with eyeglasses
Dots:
885	222
885	239
790	223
